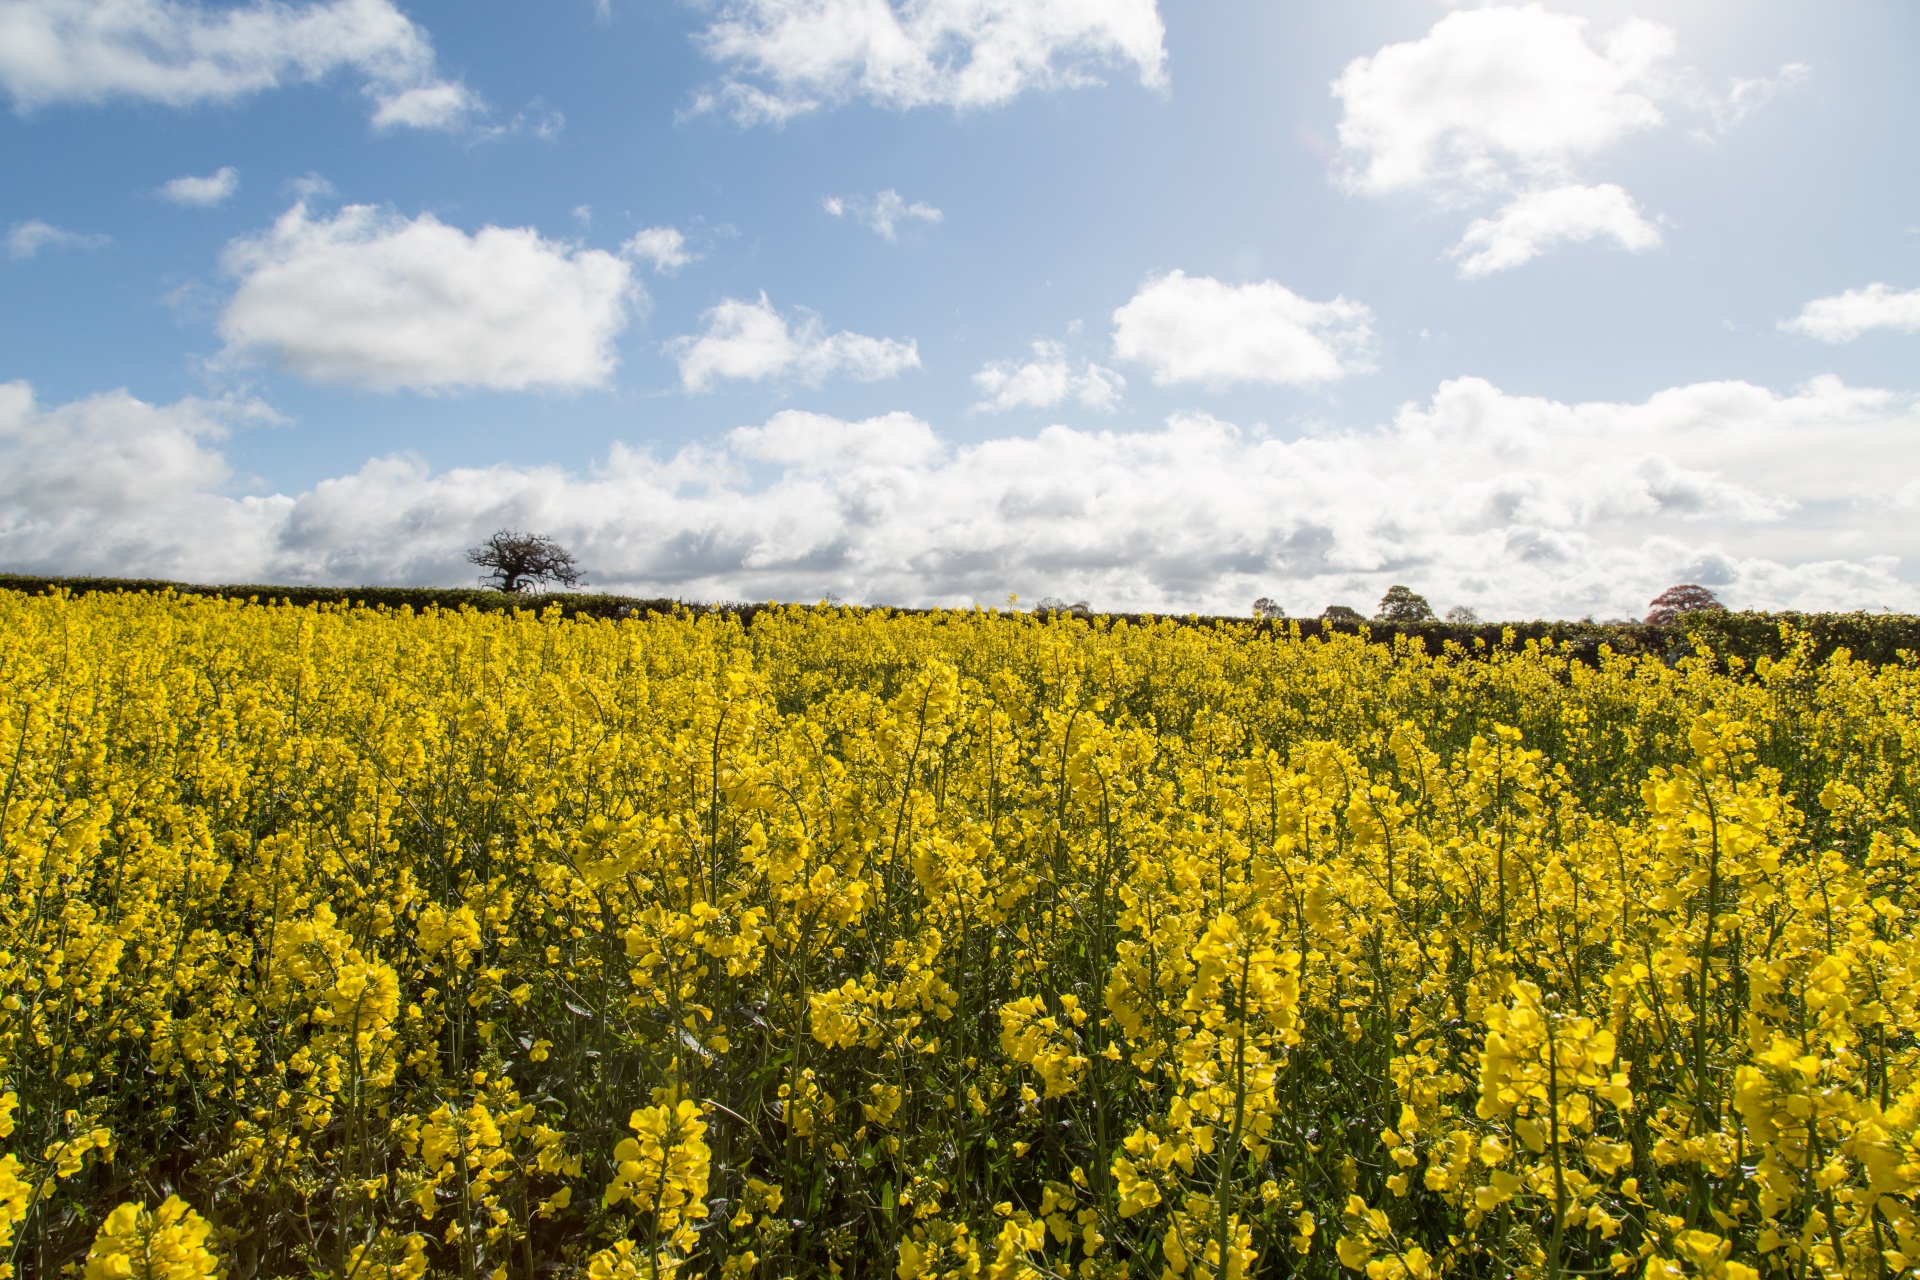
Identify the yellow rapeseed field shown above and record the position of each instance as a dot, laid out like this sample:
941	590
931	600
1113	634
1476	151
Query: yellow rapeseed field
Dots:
369	944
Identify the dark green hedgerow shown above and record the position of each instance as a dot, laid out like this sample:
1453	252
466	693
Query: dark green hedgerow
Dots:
1877	639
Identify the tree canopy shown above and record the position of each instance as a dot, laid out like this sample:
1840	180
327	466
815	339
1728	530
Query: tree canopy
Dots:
1688	597
517	561
1402	604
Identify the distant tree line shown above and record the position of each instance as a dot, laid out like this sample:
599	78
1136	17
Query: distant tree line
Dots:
1403	605
520	562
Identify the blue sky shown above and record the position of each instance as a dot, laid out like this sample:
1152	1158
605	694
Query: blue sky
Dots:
1535	308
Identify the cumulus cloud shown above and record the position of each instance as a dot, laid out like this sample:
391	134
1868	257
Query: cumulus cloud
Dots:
788	57
1845	316
27	239
1491	91
1047	380
1197	329
1538	220
202	193
1510	102
111	482
884	212
752	342
817	444
1518	505
180	54
664	248
373	299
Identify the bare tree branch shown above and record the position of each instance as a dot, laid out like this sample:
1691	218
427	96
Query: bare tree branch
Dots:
518	561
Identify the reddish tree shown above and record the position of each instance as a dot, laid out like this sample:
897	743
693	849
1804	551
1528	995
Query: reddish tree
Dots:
1674	601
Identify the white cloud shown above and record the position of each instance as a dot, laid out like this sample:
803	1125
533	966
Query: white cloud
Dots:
814	443
1510	102
180	53
751	341
203	193
884	212
27	239
442	105
1845	316
1197	329
373	299
663	247
1746	95
105	452
1047	380
1490	92
110	484
1538	220
1521	506
787	57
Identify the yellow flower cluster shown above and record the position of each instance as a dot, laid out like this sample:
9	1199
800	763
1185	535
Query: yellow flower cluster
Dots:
169	1243
954	946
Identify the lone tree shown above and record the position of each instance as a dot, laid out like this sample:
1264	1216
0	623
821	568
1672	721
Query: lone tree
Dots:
1400	604
1340	613
1265	608
1463	615
517	561
1686	598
